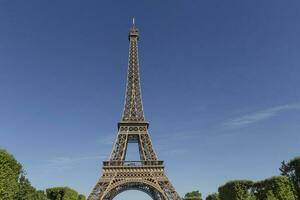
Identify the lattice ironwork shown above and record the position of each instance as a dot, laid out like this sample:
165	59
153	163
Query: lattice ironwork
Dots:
147	174
133	109
149	179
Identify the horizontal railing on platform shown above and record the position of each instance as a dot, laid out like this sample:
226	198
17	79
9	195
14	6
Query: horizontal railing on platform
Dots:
133	163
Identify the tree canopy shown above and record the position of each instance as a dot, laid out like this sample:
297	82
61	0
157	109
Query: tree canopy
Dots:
10	170
292	170
236	190
214	196
27	192
81	197
15	186
194	195
279	187
63	193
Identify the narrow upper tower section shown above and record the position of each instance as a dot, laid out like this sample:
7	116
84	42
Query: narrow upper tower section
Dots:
133	107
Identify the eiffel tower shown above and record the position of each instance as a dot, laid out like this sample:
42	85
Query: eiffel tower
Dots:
146	175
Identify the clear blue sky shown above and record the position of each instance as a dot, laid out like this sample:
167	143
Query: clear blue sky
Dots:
220	82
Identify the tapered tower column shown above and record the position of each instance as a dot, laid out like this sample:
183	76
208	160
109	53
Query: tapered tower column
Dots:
146	174
133	107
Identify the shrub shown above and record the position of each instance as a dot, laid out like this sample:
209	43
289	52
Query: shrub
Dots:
214	196
81	197
236	190
195	195
61	193
279	188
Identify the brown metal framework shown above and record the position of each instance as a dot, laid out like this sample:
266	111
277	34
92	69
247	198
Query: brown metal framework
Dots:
146	175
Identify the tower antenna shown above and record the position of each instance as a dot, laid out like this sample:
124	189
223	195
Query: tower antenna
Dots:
133	21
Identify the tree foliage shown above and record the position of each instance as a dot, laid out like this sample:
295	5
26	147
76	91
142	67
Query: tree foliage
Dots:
15	186
279	188
194	195
40	195
27	192
62	193
292	170
270	196
81	197
214	196
10	170
236	190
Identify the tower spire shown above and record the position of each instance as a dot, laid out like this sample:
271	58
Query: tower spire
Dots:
133	106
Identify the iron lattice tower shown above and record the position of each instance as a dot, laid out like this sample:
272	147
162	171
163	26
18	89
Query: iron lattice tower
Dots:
146	175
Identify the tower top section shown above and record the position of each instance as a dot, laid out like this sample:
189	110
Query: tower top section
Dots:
133	106
133	32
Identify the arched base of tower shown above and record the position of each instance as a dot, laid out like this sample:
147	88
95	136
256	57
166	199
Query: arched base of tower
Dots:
145	187
152	181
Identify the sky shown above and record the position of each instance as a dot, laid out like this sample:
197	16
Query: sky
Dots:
220	85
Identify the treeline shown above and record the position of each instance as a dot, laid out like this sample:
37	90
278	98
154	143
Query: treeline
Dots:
15	186
283	187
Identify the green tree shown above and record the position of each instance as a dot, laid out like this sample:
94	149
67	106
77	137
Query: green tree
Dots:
279	187
270	196
214	196
292	170
10	170
61	193
40	195
27	192
81	197
236	190
194	195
